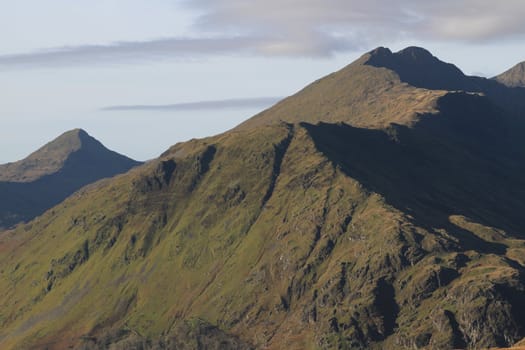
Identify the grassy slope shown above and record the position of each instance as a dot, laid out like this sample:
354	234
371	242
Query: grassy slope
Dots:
359	94
258	233
288	236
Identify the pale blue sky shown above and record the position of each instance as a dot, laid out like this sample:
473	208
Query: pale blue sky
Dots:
63	61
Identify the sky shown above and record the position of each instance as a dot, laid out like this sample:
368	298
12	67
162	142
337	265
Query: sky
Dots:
142	75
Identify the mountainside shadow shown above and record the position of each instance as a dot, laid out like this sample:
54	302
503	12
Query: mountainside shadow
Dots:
467	160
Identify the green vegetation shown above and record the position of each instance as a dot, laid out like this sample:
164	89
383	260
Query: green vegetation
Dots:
316	233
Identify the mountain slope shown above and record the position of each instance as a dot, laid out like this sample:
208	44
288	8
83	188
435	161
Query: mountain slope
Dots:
359	94
320	233
47	176
381	88
514	77
45	161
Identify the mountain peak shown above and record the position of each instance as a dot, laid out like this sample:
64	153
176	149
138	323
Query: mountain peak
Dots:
75	137
411	53
418	67
514	77
56	170
51	157
67	142
76	132
360	94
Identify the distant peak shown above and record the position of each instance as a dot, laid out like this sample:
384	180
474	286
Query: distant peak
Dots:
51	157
514	77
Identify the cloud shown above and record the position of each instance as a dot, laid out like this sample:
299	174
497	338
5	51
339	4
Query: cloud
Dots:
257	102
301	28
131	51
469	20
172	48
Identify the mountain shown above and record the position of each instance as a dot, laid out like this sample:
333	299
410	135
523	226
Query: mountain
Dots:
514	77
377	208
46	177
381	88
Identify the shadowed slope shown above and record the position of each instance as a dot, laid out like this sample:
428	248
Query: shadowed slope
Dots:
464	160
514	77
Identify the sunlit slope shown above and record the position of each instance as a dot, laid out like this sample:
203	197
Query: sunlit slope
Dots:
514	77
269	236
359	94
315	234
384	87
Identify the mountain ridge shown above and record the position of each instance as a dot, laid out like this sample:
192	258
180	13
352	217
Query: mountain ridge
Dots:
382	87
362	212
362	95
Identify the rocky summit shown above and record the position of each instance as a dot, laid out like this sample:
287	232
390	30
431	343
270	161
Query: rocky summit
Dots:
381	207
